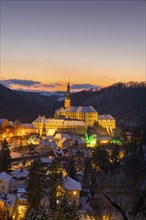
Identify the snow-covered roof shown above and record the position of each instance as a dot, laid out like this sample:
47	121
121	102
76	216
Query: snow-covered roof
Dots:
20	193
58	152
28	126
51	132
21	190
45	142
2	120
74	123
64	139
19	173
45	160
21	197
5	177
54	121
10	200
71	184
77	109
80	173
62	135
59	122
106	117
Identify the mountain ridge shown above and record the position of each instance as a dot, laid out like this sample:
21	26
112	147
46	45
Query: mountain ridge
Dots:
126	103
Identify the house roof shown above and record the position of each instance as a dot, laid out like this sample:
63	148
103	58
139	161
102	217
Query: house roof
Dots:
5	177
62	135
19	173
77	109
58	122
58	152
71	184
51	132
2	120
64	139
10	200
80	173
46	160
21	190
106	117
28	126
74	123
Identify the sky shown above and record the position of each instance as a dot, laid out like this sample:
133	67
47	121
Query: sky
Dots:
46	43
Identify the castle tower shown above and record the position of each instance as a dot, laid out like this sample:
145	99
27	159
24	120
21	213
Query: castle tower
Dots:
67	101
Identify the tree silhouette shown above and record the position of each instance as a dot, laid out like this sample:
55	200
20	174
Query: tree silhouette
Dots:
65	211
100	158
5	159
35	184
71	168
55	177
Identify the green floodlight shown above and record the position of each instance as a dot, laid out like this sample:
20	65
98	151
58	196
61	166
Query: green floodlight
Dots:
116	141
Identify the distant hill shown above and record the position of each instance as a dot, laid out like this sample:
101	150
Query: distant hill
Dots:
25	106
126	102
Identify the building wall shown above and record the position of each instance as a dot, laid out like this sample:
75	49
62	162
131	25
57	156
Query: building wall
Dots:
17	183
75	129
88	117
2	208
13	210
4	187
107	123
67	103
72	195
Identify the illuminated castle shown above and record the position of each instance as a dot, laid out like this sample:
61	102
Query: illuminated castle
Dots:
83	113
74	119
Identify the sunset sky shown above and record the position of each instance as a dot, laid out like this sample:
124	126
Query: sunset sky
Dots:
45	43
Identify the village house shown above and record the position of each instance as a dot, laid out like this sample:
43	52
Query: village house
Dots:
71	188
4	123
19	178
5	181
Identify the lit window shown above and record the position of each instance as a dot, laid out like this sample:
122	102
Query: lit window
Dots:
74	193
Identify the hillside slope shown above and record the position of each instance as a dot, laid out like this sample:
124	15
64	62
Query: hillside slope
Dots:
24	106
126	104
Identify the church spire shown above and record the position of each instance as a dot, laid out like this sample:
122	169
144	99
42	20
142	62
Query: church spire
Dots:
67	101
68	91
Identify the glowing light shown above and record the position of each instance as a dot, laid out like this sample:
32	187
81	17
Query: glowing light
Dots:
90	140
104	142
74	193
121	154
116	141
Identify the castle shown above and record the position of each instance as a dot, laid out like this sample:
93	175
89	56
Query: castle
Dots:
83	113
74	119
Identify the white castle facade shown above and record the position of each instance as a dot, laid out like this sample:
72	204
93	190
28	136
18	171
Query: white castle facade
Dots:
74	119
